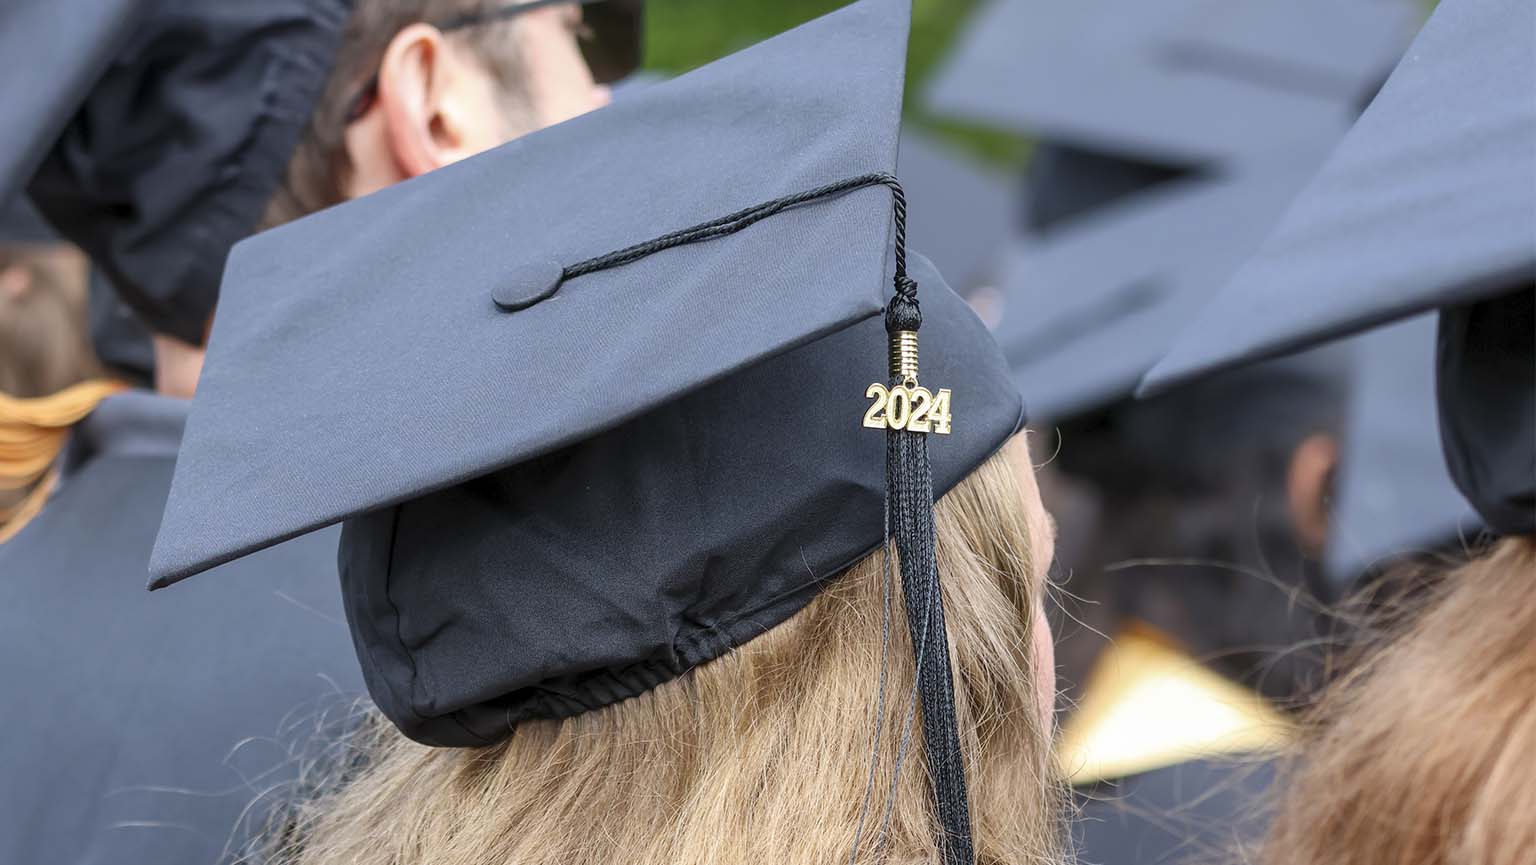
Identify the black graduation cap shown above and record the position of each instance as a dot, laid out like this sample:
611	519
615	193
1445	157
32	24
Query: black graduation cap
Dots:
159	131
1180	80
53	50
1430	202
589	405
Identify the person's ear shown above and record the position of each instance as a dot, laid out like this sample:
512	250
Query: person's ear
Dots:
1309	490
428	97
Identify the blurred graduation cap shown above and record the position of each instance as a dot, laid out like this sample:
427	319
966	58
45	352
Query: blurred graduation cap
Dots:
54	50
962	214
160	130
574	457
1089	309
1430	202
1178	81
1065	181
1393	495
153	133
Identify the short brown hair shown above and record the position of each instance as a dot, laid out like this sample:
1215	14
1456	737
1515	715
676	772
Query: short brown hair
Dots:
315	175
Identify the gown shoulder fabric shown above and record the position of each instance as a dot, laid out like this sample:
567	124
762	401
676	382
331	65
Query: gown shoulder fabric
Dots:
156	728
1194	812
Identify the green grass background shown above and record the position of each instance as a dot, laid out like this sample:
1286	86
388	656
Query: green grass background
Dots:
684	34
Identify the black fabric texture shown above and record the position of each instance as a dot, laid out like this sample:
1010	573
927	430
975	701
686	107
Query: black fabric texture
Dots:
1486	383
1189	813
594	573
181	142
153	729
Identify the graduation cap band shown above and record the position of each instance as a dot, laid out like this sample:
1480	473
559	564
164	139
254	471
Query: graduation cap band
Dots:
907	412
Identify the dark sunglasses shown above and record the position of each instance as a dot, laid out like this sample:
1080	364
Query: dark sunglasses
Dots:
611	45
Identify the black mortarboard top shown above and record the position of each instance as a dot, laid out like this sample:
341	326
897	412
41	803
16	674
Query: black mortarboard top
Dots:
1180	80
1064	181
1392	494
152	133
575	452
1430	202
1092	305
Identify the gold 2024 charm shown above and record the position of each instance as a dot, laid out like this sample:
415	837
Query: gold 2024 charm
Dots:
907	405
915	409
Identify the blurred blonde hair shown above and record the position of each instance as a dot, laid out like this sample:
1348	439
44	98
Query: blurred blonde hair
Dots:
761	756
44	346
1422	754
49	376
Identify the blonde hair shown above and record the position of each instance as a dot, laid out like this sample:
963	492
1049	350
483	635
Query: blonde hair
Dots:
49	376
1422	753
760	756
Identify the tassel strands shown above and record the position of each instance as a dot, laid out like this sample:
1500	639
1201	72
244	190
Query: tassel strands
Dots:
909	493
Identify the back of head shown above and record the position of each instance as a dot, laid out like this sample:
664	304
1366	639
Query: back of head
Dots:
763	755
44	355
316	174
1421	755
43	347
1197	527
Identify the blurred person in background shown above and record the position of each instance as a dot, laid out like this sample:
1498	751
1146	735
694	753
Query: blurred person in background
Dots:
49	378
182	717
1192	577
1193	526
1420	754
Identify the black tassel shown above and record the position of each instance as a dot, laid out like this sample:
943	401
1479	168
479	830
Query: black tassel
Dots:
908	477
909	492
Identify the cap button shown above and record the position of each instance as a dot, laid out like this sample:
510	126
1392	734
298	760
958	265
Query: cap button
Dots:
528	283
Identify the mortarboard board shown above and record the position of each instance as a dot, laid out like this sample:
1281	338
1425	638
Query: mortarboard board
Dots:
1090	308
1393	494
1430	202
1179	81
574	452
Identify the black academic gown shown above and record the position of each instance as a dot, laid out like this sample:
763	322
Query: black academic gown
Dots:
143	728
1201	811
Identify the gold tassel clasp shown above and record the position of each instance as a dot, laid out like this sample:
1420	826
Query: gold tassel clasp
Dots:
907	405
